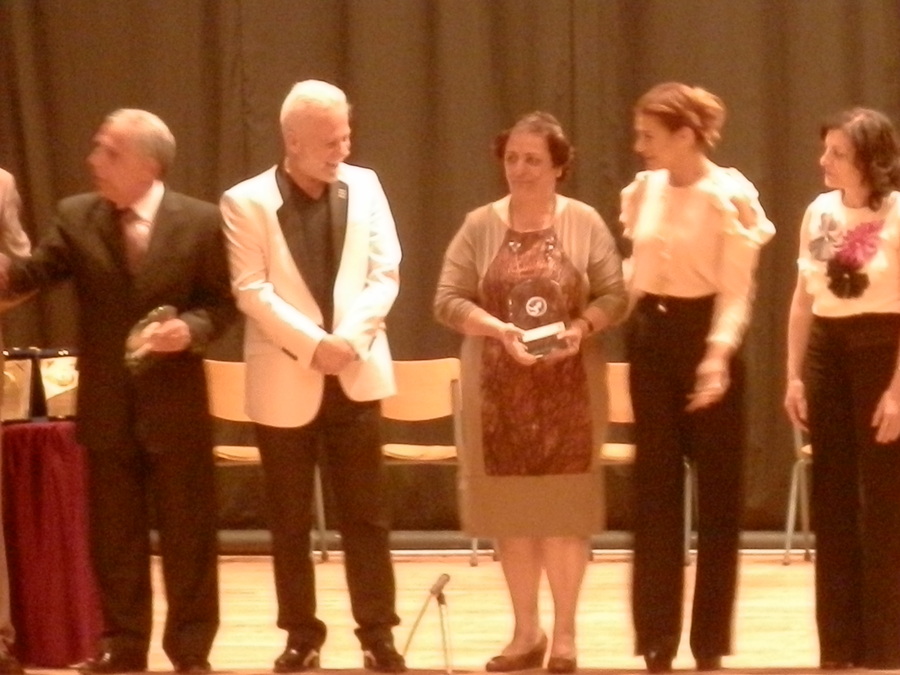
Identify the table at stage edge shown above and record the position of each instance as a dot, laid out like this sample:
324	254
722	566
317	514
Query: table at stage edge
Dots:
54	599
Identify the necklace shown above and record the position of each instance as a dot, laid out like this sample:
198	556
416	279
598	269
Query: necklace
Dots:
532	223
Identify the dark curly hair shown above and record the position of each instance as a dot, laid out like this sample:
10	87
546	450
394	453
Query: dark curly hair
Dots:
876	149
546	125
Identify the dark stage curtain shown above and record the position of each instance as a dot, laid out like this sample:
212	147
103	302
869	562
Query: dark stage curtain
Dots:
431	82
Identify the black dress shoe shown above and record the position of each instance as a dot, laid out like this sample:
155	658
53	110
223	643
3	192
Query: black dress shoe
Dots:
506	663
9	664
109	662
297	659
382	657
192	666
709	663
658	661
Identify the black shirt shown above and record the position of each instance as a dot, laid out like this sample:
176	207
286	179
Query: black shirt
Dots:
306	224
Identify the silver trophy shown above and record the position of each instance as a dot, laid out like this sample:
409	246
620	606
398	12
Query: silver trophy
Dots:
138	355
538	307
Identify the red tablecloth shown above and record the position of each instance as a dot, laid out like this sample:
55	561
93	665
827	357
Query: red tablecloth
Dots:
55	605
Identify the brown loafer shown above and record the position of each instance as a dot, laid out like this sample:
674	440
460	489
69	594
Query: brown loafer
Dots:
533	658
561	665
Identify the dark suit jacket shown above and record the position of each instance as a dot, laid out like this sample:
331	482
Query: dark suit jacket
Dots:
185	266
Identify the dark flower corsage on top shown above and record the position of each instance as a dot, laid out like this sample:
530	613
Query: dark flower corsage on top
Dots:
845	254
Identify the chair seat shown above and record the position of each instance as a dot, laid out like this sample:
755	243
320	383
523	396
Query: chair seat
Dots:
617	453
419	453
225	395
427	390
237	453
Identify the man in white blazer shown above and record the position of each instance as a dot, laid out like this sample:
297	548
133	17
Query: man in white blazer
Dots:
314	266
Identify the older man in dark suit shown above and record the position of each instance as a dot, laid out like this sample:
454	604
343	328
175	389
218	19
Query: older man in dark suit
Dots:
130	247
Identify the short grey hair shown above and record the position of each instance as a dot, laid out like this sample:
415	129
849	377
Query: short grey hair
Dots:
150	133
312	95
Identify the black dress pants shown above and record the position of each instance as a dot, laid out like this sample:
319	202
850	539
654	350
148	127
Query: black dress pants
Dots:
666	342
856	490
179	481
345	437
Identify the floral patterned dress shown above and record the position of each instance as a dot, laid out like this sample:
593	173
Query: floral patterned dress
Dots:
535	418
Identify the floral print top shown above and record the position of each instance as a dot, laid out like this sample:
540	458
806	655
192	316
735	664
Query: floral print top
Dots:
850	257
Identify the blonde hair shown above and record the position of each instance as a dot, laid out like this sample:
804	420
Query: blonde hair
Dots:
679	105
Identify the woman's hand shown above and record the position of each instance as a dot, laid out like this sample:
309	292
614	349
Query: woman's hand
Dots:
795	403
511	337
571	338
710	385
746	214
886	419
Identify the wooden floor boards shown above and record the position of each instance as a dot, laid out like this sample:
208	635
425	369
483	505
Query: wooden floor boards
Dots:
775	630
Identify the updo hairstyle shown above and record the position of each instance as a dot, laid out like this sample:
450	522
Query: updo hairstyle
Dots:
678	105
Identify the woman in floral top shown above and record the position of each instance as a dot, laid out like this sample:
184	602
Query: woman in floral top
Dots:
844	388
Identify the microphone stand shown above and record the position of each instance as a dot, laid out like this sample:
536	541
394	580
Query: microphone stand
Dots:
444	611
436	592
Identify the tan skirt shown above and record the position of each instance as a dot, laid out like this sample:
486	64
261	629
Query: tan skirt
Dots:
570	504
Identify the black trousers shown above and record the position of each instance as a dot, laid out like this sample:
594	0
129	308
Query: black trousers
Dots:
179	481
666	342
345	437
856	490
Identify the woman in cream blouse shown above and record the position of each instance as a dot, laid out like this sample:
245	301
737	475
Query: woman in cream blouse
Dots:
697	229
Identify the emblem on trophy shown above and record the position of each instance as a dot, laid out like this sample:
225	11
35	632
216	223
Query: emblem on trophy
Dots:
539	308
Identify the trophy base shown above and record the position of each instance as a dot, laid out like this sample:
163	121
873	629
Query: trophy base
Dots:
542	340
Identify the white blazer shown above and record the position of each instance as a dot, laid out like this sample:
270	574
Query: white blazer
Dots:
284	322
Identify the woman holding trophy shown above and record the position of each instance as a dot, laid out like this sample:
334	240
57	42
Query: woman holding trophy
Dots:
529	280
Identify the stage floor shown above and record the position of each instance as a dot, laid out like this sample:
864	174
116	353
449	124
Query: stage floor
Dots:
775	629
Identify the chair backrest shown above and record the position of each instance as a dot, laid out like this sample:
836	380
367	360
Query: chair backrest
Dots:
225	384
424	390
620	411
